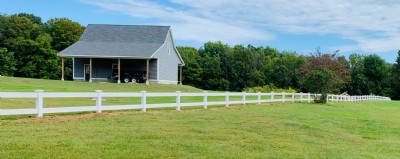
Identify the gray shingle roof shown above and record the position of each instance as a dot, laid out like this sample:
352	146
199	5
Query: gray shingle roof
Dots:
134	41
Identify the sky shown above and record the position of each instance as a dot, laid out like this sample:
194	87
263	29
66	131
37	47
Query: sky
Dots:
352	26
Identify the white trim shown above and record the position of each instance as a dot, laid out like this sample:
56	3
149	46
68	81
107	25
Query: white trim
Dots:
162	44
173	43
116	57
163	81
84	71
100	78
83	78
73	67
158	69
112	65
169	49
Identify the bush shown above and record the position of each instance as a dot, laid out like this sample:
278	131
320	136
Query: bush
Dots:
321	99
268	88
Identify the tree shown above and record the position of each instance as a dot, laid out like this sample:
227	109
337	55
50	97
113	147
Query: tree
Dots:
396	78
285	69
320	80
377	72
241	64
19	27
64	32
358	84
35	19
35	58
259	65
223	52
324	73
215	62
192	72
211	74
7	62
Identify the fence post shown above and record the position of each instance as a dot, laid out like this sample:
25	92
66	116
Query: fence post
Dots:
327	98
143	101
98	100
205	100
178	100
259	98
309	97
301	97
226	99
39	103
272	96
283	97
244	98
292	97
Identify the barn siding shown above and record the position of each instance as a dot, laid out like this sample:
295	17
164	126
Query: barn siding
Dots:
153	69
133	65
78	67
168	61
102	68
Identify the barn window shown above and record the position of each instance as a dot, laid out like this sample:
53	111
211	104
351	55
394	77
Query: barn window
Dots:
114	66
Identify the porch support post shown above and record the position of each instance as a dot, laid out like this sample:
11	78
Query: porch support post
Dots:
147	71
119	70
90	68
62	68
180	75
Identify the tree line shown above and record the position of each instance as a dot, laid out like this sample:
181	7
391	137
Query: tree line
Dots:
29	47
218	66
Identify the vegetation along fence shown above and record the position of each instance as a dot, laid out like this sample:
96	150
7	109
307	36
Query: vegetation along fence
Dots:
242	98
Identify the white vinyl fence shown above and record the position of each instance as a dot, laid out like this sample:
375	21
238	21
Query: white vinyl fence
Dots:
98	95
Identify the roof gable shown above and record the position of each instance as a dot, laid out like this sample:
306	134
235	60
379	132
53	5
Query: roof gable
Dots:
125	33
127	41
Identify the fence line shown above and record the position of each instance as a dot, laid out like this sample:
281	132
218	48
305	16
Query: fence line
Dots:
98	95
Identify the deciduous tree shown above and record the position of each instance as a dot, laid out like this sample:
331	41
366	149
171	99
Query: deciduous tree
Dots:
7	62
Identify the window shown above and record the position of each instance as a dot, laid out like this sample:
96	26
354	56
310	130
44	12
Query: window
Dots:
114	66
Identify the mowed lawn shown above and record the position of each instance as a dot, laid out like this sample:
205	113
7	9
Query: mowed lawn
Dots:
279	130
13	84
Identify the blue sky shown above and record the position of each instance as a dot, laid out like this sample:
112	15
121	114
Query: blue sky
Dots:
353	26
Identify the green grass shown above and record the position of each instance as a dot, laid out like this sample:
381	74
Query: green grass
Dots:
367	129
280	130
12	84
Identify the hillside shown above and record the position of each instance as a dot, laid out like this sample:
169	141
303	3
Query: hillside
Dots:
15	84
278	130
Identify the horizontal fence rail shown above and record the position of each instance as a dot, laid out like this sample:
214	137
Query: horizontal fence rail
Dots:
98	95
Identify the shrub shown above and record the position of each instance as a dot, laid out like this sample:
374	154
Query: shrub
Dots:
268	88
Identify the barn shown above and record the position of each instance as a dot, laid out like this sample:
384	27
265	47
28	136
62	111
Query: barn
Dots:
125	53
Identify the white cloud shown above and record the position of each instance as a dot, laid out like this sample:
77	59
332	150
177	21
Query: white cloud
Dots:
373	25
186	25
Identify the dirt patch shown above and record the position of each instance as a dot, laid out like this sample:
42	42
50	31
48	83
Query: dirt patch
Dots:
63	118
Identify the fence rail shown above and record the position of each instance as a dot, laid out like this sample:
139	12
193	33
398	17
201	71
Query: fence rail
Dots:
98	95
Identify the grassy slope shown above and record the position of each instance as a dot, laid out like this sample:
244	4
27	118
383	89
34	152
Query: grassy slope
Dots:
13	84
9	84
281	130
